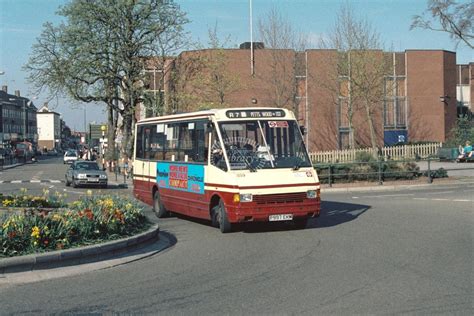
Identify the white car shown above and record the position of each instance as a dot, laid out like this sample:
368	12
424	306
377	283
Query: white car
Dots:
70	156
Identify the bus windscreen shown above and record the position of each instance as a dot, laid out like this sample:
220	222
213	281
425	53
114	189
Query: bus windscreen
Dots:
262	144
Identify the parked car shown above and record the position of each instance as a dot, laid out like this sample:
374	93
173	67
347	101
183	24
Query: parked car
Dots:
85	173
52	152
70	157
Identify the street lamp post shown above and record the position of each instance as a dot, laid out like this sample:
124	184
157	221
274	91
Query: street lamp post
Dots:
103	128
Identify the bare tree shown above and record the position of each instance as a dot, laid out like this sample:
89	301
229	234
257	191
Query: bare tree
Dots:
287	62
202	79
217	82
359	78
451	17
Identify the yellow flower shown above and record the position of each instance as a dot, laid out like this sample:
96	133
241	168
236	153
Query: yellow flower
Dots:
6	224
108	203
128	206
45	192
7	202
89	192
23	190
35	243
35	232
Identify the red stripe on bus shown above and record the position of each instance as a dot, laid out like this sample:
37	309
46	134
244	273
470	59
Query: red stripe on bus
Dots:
260	186
278	186
222	185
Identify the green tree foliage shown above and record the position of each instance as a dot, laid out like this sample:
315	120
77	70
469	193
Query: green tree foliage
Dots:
98	53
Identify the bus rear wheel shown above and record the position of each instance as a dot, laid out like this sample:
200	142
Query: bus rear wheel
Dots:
221	218
158	207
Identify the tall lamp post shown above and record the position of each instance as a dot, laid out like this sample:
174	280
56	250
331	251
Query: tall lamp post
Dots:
103	128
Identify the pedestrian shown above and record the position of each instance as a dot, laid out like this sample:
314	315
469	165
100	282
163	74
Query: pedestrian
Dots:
466	151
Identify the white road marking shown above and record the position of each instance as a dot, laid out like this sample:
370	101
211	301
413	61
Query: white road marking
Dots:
463	201
434	193
421	199
35	181
55	181
390	195
440	199
16	181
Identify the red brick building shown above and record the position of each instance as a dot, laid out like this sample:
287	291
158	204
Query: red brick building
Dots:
415	98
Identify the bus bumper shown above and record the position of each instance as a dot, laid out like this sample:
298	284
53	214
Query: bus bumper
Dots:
251	211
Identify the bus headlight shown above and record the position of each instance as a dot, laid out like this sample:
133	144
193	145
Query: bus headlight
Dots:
311	194
247	197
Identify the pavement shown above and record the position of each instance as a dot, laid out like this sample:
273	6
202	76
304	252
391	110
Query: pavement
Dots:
36	267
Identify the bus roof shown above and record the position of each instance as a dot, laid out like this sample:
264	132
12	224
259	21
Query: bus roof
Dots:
243	113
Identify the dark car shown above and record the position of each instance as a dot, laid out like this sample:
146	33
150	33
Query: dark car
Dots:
85	173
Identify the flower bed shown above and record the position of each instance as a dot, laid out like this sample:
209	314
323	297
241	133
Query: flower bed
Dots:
89	220
23	199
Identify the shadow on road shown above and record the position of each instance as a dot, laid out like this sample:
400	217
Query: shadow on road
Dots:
332	214
336	213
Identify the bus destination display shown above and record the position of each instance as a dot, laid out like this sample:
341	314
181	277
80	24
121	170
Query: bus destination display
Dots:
255	113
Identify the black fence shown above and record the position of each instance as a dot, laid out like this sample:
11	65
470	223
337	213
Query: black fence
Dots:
379	171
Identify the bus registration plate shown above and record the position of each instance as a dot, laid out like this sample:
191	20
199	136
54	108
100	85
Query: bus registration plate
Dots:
280	217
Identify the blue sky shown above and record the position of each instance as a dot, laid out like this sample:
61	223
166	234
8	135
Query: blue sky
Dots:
21	23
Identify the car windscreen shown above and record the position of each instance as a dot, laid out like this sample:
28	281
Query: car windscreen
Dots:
87	166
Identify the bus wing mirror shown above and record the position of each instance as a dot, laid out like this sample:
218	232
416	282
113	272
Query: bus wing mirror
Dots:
303	130
210	126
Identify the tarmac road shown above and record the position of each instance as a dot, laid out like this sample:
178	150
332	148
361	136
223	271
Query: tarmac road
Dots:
399	251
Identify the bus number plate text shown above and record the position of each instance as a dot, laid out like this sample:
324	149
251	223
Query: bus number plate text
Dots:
280	217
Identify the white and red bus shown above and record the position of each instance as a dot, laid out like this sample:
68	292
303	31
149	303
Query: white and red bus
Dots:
227	165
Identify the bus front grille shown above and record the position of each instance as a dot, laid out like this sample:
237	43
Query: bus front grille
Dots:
280	198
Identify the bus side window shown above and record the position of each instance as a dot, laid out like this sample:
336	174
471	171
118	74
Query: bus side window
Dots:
171	143
139	143
200	142
157	142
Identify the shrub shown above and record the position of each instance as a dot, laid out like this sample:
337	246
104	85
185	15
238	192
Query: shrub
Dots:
440	173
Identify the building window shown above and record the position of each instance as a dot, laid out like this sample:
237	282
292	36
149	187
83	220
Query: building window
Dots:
395	105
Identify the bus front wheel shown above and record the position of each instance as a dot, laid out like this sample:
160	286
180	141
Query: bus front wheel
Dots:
158	207
221	218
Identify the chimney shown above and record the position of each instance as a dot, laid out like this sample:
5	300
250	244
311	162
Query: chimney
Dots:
17	93
5	89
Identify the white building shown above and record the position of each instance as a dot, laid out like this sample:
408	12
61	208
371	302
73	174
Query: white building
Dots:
49	128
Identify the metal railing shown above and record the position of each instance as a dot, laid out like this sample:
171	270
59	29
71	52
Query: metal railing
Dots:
381	170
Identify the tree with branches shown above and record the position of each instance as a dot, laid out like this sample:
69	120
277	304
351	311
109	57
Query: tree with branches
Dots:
98	53
358	80
286	64
451	17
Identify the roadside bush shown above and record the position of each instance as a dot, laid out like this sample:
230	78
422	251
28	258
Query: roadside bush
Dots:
368	171
440	173
86	221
